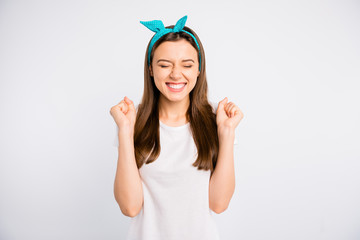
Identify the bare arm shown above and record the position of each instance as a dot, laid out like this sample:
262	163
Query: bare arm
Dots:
128	190
222	181
127	186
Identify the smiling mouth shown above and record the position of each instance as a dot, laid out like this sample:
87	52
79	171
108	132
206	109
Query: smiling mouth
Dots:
176	85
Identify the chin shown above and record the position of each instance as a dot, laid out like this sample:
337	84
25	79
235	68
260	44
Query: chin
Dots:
175	99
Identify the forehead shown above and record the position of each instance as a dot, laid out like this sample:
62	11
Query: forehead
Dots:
177	49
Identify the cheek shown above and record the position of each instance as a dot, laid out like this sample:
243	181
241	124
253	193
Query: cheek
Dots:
159	78
191	75
192	78
157	81
160	75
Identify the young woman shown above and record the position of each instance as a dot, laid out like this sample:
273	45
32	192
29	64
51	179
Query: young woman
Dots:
175	150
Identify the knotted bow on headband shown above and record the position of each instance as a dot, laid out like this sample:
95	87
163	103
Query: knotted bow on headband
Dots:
157	26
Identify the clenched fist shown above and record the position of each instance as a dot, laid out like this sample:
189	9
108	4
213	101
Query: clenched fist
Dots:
124	114
228	115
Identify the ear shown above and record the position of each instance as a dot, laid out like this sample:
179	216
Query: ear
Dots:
198	73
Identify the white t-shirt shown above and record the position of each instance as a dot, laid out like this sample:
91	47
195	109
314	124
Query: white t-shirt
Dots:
176	194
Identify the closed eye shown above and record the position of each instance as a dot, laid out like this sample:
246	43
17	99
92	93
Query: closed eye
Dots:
188	66
163	66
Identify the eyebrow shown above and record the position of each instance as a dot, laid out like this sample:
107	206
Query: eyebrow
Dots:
185	60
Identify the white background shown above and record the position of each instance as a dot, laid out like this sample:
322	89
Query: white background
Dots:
291	66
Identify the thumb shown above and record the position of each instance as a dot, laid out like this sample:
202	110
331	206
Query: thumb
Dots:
222	103
129	103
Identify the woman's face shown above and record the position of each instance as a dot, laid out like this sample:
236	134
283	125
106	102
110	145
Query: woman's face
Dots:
175	68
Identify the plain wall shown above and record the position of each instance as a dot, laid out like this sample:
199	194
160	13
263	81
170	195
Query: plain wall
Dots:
291	66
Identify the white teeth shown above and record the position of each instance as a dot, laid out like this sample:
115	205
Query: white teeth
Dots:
176	86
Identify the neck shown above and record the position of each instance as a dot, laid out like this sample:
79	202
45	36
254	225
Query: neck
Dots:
173	113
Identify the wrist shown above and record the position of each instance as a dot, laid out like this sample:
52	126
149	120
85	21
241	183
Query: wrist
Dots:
226	133
126	133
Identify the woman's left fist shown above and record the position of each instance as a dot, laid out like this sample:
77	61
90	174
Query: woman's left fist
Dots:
228	114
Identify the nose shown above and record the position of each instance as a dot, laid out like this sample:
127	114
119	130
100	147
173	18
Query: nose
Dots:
176	73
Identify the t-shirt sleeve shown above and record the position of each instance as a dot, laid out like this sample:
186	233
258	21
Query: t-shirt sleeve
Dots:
116	131
214	106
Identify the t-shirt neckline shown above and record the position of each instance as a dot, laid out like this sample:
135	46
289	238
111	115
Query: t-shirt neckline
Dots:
174	128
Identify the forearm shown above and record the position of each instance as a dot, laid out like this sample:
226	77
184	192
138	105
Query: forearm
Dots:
222	181
127	187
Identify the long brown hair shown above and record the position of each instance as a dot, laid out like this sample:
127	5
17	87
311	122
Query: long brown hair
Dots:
200	113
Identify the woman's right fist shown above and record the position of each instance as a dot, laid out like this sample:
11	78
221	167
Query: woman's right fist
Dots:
124	114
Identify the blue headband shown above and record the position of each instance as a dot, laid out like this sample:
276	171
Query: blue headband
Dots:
157	26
